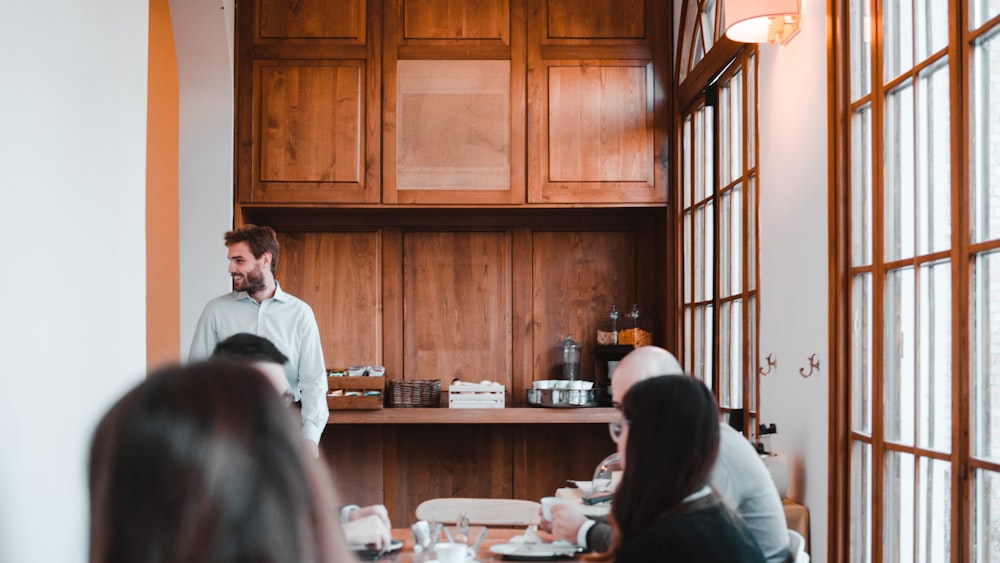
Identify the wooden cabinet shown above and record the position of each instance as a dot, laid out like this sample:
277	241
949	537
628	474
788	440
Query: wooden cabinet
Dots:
596	103
308	116
452	103
457	186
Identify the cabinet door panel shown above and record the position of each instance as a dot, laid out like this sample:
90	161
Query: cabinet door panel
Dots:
456	306
314	19
456	19
446	460
594	135
338	274
312	139
575	277
595	19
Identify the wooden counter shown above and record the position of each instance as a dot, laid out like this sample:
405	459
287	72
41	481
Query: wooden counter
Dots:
525	415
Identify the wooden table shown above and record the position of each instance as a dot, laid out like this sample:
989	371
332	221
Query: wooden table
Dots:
495	536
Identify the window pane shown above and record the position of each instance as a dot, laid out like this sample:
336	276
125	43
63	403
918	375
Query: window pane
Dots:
699	254
736	240
698	355
861	503
932	27
861	187
861	354
899	167
899	507
689	336
984	122
686	159
700	154
709	291
708	23
897	18
899	356
736	353
985	392
934	158
986	516
982	11
709	343
861	48
736	126
754	353
935	510
751	232
725	360
726	227
935	356
725	110
752	111
688	264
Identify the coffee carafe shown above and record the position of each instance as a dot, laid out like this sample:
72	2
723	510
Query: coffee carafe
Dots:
570	358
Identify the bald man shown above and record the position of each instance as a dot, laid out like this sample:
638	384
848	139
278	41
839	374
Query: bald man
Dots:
739	476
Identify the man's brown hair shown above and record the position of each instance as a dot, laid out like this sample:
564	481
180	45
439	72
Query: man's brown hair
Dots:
259	239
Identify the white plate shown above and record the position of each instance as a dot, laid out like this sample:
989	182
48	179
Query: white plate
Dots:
535	551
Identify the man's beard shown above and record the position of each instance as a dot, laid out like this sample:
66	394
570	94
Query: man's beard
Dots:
253	281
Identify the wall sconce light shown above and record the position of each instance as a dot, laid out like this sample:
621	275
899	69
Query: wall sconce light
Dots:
759	21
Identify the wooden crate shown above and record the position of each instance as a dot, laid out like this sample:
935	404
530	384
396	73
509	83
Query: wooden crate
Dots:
355	384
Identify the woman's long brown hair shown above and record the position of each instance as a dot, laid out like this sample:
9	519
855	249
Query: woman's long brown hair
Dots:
673	441
205	464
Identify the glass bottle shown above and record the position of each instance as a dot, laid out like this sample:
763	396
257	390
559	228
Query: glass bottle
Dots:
607	335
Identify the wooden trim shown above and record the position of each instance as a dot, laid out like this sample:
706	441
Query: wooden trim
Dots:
838	219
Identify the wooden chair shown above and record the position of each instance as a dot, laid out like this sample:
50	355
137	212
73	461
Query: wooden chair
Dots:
481	511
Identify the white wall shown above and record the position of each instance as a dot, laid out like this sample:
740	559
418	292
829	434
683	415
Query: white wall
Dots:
793	259
203	36
72	276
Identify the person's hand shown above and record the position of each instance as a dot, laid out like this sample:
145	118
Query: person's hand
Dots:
370	530
377	510
566	522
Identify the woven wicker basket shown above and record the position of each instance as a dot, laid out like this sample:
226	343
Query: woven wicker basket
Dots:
415	393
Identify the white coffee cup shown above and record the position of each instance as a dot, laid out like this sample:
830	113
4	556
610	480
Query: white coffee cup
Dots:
548	503
451	552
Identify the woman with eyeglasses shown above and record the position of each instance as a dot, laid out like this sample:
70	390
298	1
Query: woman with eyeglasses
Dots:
663	509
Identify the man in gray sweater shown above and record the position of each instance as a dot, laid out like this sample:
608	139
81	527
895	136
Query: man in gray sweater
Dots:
739	476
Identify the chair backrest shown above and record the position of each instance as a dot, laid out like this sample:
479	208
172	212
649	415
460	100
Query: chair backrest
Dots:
481	511
797	548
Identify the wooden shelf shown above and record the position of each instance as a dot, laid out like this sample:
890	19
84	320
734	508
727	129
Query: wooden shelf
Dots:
525	415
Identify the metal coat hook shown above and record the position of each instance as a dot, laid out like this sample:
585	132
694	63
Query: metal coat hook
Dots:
771	364
813	366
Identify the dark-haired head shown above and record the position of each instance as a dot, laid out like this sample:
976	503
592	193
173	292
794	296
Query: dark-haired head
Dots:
204	463
672	443
259	239
248	347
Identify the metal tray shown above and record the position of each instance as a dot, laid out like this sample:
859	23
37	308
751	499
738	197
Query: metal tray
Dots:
562	398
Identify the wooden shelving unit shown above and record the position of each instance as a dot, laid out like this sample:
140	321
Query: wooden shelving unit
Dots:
444	415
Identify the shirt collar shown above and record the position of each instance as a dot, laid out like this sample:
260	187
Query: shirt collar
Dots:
279	294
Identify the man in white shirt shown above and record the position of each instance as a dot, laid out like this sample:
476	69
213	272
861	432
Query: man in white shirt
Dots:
257	305
739	475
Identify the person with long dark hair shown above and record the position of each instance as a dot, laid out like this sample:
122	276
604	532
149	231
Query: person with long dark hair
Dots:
664	509
206	464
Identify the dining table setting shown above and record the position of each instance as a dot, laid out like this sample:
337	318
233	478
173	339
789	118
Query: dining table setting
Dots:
495	544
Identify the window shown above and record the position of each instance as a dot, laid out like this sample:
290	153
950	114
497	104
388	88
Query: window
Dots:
718	213
920	280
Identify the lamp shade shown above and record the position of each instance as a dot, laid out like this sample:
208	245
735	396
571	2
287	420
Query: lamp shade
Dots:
747	21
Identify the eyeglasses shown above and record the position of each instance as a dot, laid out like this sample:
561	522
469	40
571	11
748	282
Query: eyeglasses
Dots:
616	429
